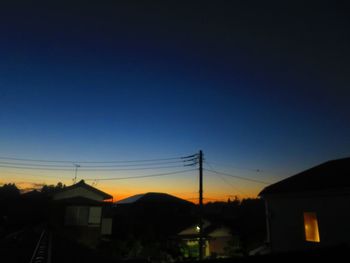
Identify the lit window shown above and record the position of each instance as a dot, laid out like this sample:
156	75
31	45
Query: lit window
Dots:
311	227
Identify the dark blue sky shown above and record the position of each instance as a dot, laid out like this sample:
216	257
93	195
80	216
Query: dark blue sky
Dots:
254	85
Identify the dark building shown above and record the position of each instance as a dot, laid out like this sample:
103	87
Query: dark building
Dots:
81	211
310	209
153	215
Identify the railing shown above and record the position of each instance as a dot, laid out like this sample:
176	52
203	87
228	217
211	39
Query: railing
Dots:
42	251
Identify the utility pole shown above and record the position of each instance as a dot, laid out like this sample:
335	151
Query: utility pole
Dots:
201	244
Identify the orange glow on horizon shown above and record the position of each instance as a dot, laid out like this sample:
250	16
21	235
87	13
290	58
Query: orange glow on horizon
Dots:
185	187
213	198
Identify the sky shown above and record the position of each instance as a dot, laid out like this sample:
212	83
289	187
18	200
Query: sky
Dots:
261	88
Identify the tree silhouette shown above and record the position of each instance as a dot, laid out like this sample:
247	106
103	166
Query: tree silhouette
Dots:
51	189
9	191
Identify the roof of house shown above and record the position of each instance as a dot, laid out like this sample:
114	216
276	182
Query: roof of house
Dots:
193	230
152	198
88	187
209	230
330	175
78	200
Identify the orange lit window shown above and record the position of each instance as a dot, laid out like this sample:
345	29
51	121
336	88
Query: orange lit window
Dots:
311	227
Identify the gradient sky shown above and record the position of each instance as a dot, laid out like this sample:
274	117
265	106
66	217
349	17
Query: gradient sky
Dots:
254	85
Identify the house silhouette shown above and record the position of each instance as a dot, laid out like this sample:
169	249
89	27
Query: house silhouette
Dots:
310	209
80	211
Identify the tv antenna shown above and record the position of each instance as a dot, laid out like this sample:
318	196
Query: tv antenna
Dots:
75	173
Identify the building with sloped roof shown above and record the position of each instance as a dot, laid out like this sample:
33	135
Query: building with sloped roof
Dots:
310	209
217	240
81	211
82	190
153	197
153	216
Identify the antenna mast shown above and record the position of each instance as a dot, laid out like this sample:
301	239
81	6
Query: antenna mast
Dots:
75	173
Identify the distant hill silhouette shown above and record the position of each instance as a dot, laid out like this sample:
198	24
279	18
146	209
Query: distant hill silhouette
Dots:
153	197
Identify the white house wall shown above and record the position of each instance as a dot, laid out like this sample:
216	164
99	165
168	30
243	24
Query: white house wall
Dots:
78	192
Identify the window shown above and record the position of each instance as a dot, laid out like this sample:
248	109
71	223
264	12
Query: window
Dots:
311	227
95	215
76	215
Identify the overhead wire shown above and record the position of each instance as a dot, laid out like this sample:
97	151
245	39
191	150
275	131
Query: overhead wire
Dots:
127	165
116	161
239	167
224	180
36	175
132	165
238	177
89	166
118	165
230	184
91	169
141	176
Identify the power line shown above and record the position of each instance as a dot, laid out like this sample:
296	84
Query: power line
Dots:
230	184
114	178
36	175
224	180
117	161
89	169
238	177
133	165
141	176
89	166
238	167
36	165
36	168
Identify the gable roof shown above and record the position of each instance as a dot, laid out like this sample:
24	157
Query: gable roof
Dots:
193	230
88	187
330	175
209	230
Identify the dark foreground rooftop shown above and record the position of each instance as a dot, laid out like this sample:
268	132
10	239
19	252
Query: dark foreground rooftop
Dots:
330	175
